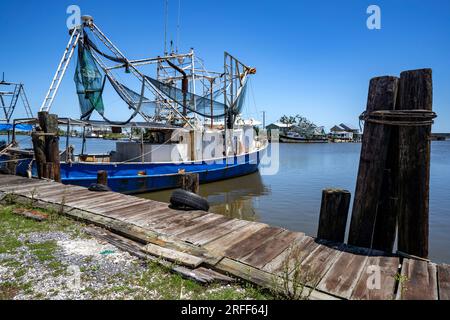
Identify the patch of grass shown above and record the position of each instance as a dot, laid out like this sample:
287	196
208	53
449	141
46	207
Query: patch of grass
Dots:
44	251
58	268
8	290
296	282
11	263
171	286
9	244
20	272
157	281
234	292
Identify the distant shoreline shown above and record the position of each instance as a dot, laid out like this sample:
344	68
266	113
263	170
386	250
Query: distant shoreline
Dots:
440	136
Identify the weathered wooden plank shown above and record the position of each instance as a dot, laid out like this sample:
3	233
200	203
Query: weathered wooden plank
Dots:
5	178
245	246
56	195
418	281
117	202
367	287
344	273
177	218
68	187
122	207
92	199
202	227
39	190
297	251
190	224
199	274
149	219
214	233
314	266
50	193
211	275
262	278
17	185
26	188
160	223
444	281
221	244
77	197
8	178
105	206
172	255
69	196
270	249
146	217
132	207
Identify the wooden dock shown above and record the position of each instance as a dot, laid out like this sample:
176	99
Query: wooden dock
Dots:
256	252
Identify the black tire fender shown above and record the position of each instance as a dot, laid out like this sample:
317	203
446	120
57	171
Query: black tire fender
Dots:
98	187
184	199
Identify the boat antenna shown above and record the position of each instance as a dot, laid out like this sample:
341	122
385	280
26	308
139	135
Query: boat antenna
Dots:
165	25
178	26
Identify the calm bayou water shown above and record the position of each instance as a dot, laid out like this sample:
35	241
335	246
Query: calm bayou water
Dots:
291	198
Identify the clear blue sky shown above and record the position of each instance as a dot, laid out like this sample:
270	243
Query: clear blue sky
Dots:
314	58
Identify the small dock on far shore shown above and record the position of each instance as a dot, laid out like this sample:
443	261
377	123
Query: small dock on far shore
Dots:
210	245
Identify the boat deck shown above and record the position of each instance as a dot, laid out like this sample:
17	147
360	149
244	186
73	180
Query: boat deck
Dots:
264	255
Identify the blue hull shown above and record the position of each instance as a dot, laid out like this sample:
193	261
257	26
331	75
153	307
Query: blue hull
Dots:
133	178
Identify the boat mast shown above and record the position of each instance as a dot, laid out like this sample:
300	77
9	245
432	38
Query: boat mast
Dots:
62	67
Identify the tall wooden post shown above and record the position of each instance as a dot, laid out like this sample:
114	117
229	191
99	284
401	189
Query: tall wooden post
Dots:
387	212
190	182
415	93
49	124
382	96
333	214
102	177
39	151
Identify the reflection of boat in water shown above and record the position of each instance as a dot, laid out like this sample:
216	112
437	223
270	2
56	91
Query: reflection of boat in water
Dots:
232	197
236	197
232	189
294	137
182	131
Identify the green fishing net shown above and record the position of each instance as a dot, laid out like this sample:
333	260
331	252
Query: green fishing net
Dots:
89	84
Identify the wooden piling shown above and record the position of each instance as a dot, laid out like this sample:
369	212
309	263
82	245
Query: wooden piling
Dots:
49	170
415	93
333	214
102	177
39	151
190	182
49	124
11	165
382	96
385	229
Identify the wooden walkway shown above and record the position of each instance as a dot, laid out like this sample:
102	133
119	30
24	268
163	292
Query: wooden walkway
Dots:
265	255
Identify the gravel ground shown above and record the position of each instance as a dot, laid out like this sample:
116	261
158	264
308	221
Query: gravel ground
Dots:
66	264
84	268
